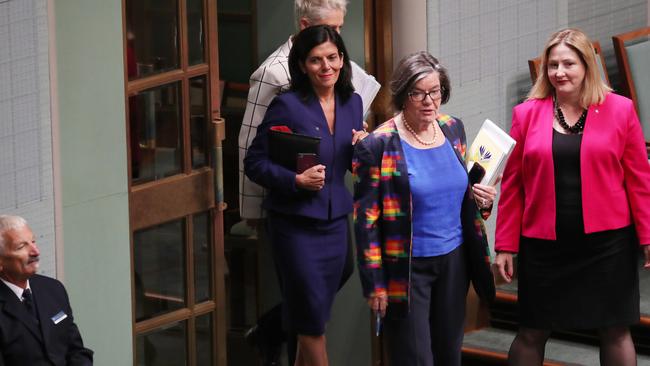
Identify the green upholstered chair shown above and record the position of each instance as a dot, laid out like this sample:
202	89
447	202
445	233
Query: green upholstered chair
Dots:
633	58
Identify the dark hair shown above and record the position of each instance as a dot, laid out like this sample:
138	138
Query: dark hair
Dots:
303	43
412	69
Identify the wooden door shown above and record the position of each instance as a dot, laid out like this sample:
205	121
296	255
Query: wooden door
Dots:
174	136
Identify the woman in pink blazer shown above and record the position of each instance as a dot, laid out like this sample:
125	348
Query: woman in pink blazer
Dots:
575	205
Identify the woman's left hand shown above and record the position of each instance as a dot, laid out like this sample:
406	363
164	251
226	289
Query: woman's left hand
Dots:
484	195
359	135
646	251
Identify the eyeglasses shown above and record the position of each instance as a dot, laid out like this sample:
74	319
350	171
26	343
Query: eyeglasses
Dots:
420	96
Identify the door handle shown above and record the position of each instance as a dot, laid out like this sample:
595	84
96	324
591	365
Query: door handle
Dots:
218	135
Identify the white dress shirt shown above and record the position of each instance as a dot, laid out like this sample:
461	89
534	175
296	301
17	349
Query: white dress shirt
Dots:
17	289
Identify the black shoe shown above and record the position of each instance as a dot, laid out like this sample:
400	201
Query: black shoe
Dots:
270	353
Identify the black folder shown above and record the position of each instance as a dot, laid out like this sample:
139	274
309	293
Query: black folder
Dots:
284	147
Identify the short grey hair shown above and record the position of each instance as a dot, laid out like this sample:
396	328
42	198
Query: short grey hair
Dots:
9	222
315	10
412	69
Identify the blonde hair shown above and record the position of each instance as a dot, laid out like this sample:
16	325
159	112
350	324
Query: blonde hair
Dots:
315	10
594	88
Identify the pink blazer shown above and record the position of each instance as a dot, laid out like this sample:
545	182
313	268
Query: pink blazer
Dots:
613	166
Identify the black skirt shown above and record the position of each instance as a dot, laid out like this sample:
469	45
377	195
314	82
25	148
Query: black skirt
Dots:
579	281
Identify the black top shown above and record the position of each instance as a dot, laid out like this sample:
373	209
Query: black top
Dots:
568	192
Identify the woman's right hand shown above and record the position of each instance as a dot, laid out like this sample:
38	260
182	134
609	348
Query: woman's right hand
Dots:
503	264
378	303
312	179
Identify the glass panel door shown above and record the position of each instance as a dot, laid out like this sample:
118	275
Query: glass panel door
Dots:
159	270
165	346
152	28
171	68
155	126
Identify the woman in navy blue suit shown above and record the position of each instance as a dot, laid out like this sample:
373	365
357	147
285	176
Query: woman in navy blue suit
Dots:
307	212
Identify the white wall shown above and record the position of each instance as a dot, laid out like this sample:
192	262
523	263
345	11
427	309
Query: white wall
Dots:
26	180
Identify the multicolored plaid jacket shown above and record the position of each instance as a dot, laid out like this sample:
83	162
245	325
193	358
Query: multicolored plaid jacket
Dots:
382	216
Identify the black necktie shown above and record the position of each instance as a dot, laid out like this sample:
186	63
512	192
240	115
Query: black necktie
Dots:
29	303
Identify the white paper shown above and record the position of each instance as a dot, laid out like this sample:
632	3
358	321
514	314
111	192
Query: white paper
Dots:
491	148
365	85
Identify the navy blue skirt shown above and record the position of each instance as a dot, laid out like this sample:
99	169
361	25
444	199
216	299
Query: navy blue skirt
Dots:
309	256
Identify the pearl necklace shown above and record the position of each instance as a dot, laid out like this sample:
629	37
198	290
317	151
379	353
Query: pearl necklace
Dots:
415	135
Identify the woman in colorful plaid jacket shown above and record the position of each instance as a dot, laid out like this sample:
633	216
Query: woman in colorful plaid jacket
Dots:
419	231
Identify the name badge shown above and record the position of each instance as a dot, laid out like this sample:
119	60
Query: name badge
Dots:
59	317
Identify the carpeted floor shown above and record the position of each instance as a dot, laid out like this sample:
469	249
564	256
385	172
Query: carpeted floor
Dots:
564	352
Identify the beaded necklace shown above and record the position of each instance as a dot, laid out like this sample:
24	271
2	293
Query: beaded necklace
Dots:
415	135
577	127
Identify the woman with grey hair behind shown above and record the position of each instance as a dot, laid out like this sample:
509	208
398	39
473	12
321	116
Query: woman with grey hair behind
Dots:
312	12
418	224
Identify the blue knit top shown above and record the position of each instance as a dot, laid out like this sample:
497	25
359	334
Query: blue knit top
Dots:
438	183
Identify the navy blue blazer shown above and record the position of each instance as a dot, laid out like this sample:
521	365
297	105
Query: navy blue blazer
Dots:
23	341
307	117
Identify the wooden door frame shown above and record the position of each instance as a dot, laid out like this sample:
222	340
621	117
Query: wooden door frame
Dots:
218	129
378	41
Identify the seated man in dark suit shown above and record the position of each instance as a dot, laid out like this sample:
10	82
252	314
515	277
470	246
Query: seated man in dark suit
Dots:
36	324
